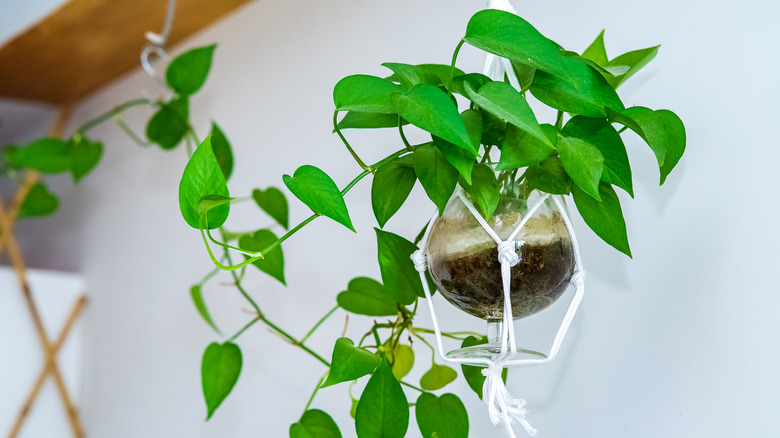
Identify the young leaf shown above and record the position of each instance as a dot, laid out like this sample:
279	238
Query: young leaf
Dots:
596	52
505	34
605	218
84	156
430	109
169	124
410	75
273	202
317	190
220	368
364	93
664	132
600	134
47	155
366	296
437	377
221	147
634	60
197	298
349	362
520	149
437	176
441	417
188	71
273	262
483	189
549	176
587	95
472	374
383	411
315	424
507	103
202	177
392	184
38	202
402	357
582	161
358	120
400	278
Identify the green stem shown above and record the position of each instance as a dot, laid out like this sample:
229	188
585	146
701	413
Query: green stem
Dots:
403	137
243	329
120	121
208	276
559	120
412	386
110	113
313	394
346	143
452	67
622	129
293	340
316	326
451	335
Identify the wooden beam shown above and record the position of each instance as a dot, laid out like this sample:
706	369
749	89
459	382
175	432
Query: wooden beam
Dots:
85	44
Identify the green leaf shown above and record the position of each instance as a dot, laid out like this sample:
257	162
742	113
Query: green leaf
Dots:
437	176
38	202
358	120
472	374
197	298
507	103
273	202
634	60
664	132
461	159
366	296
600	134
505	34
442	72
220	368
483	189
317	190
520	149
400	278
437	377
222	150
472	119
84	156
605	218
441	417
430	109
525	74
210	202
596	52
402	358
271	263
364	93
582	161
392	184
410	75
169	124
383	411
349	362
47	155
315	424
473	80
202	177
187	72
588	94
549	176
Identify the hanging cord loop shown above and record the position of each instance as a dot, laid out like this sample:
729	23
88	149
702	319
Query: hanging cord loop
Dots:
156	45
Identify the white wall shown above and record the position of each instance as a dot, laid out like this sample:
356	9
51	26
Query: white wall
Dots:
680	341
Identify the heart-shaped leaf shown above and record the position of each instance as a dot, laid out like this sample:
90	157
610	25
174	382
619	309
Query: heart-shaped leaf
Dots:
364	93
437	176
84	156
203	177
315	424
502	100
583	162
392	184
383	411
187	73
605	218
358	120
663	131
38	202
410	75
549	176
437	377
47	155
169	124
272	263
520	149
430	109
221	147
402	358
274	203
220	368
196	293
441	417
400	278
483	189
634	61
366	296
596	52
600	134
349	362
317	190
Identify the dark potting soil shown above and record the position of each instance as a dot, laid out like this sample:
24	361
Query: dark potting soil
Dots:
472	280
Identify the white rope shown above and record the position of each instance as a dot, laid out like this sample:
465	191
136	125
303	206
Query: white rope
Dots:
156	45
502	407
495	66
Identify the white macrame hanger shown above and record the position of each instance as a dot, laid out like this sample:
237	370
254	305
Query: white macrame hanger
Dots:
156	45
502	407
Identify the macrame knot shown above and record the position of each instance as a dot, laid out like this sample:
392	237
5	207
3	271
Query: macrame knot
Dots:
502	407
418	258
578	278
507	253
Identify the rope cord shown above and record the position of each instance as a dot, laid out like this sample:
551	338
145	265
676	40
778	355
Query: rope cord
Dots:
156	44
